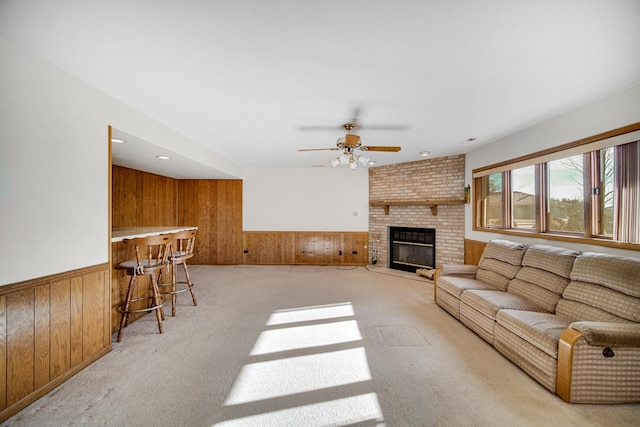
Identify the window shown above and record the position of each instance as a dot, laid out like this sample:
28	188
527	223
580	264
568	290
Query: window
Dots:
605	179
589	189
565	189
523	198
492	200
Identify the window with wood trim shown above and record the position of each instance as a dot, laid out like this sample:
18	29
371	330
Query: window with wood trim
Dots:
588	189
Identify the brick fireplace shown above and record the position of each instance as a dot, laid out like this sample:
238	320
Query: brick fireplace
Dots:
432	179
411	248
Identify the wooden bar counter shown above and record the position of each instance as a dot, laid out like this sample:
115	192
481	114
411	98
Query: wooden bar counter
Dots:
122	252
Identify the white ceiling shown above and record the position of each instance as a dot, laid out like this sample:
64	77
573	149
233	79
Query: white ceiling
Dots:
245	77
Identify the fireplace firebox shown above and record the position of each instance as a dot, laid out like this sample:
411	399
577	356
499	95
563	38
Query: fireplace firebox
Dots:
412	248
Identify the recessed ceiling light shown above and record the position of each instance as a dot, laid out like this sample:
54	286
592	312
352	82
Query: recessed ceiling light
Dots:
468	141
163	157
371	162
425	153
118	141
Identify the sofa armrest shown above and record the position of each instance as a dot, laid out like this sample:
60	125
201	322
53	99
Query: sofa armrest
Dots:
458	270
590	372
607	334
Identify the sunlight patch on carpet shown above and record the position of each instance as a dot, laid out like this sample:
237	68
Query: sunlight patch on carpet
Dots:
306	314
363	408
297	337
282	377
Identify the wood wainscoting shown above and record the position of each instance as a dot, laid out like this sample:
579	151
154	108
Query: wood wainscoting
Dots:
305	247
50	329
473	251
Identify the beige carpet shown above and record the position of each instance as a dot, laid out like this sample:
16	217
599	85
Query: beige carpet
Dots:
308	346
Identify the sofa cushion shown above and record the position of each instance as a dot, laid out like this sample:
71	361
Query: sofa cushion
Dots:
544	275
578	311
500	262
534	293
490	302
603	298
505	251
457	285
553	259
619	273
542	330
544	279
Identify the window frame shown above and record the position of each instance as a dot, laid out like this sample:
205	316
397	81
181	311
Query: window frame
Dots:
592	228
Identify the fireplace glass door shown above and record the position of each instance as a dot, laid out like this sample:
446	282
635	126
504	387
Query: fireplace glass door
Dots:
412	248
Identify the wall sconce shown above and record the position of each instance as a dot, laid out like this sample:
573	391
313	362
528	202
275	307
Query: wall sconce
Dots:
467	193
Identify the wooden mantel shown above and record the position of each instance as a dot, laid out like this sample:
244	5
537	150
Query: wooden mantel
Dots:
433	204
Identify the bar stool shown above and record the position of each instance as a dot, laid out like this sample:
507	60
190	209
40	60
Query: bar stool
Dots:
184	244
152	255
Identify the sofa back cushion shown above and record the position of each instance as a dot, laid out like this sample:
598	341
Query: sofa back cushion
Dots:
500	262
603	288
544	275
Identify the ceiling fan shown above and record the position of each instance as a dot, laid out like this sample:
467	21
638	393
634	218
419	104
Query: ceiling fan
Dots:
349	144
354	125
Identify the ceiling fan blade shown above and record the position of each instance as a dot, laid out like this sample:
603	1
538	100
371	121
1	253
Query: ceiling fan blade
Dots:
384	127
317	149
380	148
355	126
304	128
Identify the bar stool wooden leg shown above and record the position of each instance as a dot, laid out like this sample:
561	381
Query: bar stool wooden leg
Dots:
127	306
189	283
174	296
156	301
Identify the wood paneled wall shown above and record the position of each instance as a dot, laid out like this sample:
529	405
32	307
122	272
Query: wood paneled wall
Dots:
51	328
473	251
305	247
215	207
142	199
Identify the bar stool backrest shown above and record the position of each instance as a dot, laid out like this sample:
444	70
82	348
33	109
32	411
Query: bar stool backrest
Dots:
185	242
151	252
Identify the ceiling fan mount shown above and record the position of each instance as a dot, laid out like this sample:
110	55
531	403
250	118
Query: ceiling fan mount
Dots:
349	126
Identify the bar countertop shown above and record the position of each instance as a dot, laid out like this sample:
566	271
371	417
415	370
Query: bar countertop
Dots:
119	234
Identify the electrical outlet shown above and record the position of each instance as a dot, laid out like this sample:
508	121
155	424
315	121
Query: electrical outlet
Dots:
354	252
339	252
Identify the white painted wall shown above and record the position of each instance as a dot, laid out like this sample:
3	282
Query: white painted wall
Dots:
54	169
615	111
311	199
54	166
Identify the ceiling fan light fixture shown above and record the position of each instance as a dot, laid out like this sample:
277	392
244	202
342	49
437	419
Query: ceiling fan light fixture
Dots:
340	140
364	161
335	162
344	159
353	165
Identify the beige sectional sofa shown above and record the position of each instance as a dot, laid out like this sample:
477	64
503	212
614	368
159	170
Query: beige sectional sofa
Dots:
570	320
